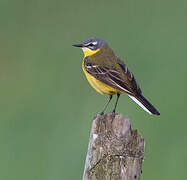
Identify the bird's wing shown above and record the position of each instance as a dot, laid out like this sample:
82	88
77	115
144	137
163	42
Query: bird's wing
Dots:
110	76
131	79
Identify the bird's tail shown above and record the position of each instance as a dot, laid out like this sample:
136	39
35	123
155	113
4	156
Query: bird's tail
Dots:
145	104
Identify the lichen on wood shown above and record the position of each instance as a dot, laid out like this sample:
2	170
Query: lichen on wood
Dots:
115	151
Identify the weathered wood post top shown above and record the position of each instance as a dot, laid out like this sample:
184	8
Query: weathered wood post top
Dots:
115	151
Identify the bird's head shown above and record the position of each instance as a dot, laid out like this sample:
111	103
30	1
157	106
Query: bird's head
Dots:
91	46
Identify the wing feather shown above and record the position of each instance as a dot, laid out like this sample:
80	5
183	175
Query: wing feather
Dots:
131	78
109	76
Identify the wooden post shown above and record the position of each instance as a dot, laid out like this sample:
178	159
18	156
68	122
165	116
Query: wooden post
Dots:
115	151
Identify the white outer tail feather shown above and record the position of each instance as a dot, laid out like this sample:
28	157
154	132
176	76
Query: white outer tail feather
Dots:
140	104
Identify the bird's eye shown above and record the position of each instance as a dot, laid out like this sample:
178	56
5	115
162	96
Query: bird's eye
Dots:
91	44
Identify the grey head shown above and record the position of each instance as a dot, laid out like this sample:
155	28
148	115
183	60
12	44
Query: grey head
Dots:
92	43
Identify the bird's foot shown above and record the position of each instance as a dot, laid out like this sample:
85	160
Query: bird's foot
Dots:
113	114
99	114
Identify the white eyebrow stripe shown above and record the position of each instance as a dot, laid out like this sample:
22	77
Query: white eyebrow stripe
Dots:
86	44
94	43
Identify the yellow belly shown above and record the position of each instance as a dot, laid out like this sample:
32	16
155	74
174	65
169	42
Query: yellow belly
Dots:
98	85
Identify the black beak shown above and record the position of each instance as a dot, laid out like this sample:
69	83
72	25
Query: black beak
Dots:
78	45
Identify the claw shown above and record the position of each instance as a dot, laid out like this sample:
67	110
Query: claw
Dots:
113	114
101	113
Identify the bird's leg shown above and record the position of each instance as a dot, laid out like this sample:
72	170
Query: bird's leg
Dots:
114	110
102	112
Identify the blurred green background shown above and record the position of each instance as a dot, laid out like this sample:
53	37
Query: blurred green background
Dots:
46	104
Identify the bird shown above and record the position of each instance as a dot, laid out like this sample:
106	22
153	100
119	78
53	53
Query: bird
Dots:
108	74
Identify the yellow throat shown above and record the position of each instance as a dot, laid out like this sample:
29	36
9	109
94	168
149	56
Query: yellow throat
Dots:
89	52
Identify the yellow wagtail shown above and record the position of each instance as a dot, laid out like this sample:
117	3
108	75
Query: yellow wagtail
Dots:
109	75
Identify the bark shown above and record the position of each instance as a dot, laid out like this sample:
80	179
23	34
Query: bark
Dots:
115	151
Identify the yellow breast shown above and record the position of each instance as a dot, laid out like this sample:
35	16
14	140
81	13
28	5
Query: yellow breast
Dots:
98	85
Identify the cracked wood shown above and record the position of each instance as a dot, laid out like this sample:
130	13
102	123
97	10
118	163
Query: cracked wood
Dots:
115	151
